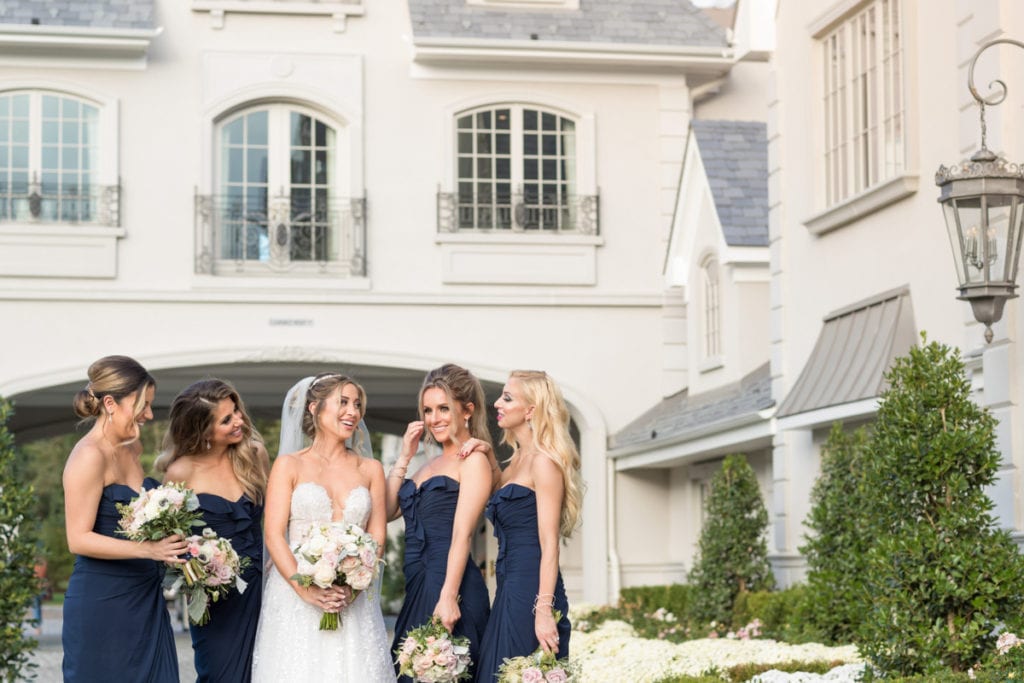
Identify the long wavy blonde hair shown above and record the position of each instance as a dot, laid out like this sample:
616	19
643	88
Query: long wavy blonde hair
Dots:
190	427
550	425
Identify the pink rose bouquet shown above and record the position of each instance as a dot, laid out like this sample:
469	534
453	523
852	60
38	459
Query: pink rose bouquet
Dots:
540	667
160	512
430	654
211	569
336	553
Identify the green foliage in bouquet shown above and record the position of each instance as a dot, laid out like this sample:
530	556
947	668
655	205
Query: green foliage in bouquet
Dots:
18	583
837	548
732	553
941	575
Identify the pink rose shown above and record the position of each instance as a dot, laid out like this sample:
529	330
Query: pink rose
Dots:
556	676
409	646
368	557
360	579
533	675
350	563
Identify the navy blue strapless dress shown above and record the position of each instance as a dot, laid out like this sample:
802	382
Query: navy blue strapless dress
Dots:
510	630
223	646
429	513
116	626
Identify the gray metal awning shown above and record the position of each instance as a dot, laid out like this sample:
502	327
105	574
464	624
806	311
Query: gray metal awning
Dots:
855	348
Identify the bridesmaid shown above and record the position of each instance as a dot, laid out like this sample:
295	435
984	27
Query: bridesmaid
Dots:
537	503
212	447
442	504
116	625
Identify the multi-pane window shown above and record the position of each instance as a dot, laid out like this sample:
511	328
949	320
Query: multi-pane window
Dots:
516	170
863	101
712	310
278	150
48	158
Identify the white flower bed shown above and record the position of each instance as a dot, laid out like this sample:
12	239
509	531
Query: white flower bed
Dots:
614	653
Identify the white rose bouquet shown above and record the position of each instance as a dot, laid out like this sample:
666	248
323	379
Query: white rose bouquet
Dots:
336	553
160	512
430	654
211	569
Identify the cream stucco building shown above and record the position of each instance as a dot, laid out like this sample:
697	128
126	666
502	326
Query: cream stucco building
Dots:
258	190
714	232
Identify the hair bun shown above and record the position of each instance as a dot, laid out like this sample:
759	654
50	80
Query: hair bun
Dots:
86	404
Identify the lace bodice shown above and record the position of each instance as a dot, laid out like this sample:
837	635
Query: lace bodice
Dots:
310	503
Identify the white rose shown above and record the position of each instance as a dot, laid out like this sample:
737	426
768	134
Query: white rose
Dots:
323	575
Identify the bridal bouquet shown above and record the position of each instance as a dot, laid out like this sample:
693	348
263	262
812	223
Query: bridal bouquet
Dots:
540	667
430	654
336	553
211	569
160	512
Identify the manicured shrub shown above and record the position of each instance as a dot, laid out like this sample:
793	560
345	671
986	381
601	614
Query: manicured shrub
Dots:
836	550
941	577
732	555
18	584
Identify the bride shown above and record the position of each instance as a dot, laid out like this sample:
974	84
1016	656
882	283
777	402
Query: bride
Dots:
326	481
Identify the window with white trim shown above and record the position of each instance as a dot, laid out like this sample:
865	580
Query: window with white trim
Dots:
864	104
712	326
516	170
49	160
279	204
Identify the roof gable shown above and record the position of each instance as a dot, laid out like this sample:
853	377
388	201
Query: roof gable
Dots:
735	159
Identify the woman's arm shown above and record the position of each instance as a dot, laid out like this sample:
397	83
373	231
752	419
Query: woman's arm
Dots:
474	489
410	442
378	523
83	488
475	445
550	488
275	529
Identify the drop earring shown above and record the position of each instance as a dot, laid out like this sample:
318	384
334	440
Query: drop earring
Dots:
207	444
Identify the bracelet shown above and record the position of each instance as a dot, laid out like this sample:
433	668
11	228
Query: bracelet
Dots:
400	471
537	602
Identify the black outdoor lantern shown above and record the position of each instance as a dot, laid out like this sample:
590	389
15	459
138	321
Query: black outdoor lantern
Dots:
983	202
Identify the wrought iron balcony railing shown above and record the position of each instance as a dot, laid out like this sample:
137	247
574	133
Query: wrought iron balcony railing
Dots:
98	205
239	235
518	212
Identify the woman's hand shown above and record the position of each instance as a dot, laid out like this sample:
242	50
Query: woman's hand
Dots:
345	594
447	610
325	599
410	442
546	630
167	549
472	445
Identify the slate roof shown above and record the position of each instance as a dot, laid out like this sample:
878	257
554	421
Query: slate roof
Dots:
126	14
646	22
735	157
676	416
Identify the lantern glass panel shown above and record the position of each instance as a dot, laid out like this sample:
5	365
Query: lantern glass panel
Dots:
999	208
969	211
1014	239
955	241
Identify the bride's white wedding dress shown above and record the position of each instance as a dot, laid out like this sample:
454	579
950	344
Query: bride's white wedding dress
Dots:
289	644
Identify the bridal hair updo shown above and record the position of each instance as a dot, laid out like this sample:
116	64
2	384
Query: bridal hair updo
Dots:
550	425
191	422
462	387
322	386
117	377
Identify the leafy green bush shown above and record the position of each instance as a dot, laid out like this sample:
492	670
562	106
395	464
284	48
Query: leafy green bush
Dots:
783	615
732	555
836	552
941	575
18	583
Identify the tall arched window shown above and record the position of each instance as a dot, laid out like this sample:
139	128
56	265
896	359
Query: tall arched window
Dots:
712	346
515	170
276	186
49	149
